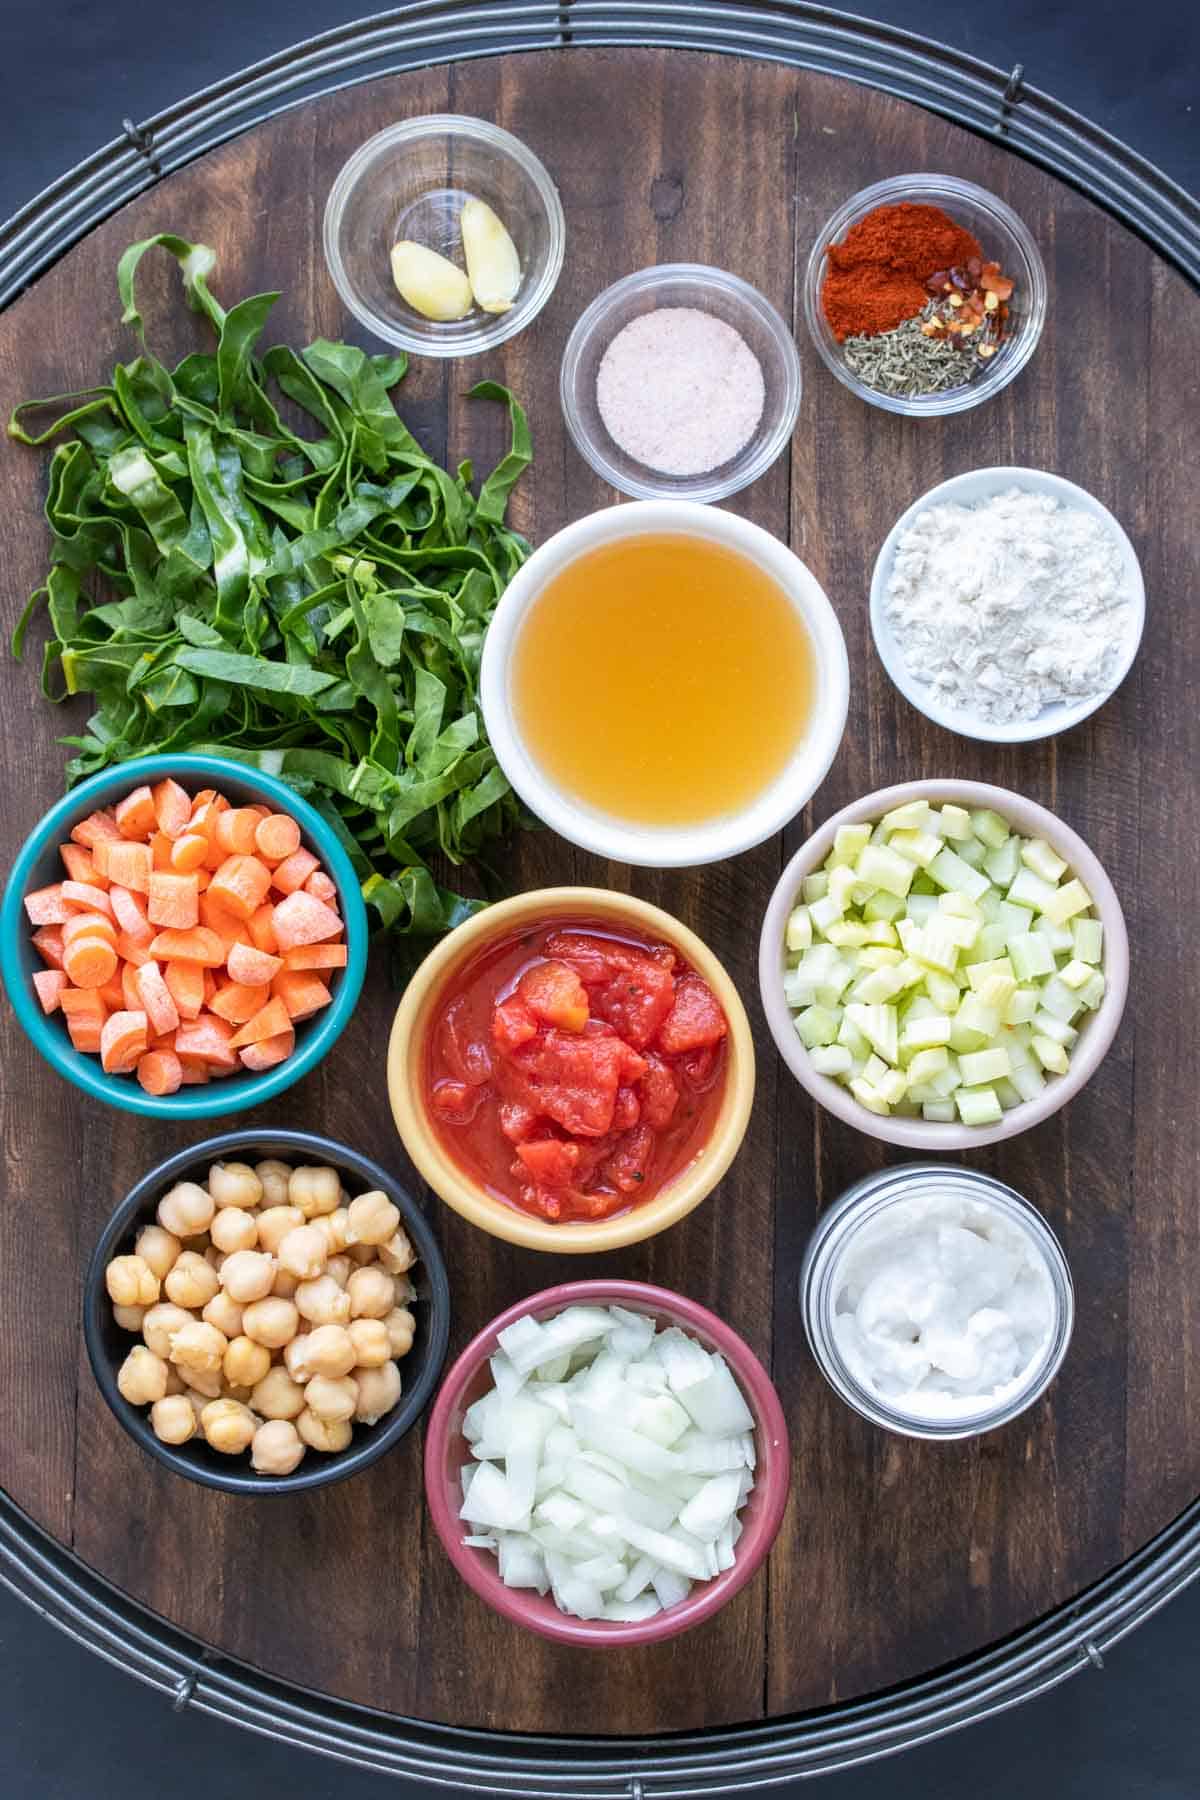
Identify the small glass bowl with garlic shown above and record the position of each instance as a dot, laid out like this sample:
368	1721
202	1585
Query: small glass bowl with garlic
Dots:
409	186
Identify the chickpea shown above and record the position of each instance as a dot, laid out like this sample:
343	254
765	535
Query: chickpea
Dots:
234	1184
172	1419
276	1448
329	1351
213	1257
277	1396
295	1358
323	1302
186	1209
334	1227
192	1282
273	1177
378	1391
228	1426
329	1398
372	1294
225	1314
329	1435
198	1348
273	1322
400	1326
197	1401
175	1381
372	1342
247	1276
207	1382
245	1362
142	1377
397	1254
371	1219
340	1268
303	1252
157	1249
159	1324
131	1282
314	1191
285	1284
274	1223
129	1318
234	1229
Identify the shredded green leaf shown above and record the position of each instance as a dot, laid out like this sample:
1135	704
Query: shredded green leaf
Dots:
312	606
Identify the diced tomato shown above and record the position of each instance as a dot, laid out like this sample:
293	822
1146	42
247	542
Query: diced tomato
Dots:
574	1080
698	1067
627	1111
636	1001
458	1101
517	1121
629	1165
695	1019
554	992
550	1161
658	1093
512	1025
466	1058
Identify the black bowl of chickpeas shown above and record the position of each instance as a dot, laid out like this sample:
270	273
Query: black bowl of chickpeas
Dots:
267	1311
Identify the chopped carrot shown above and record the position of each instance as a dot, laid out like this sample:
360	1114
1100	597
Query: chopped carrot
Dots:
301	992
122	1041
89	924
271	1051
317	956
188	852
294	871
262	929
209	797
161	847
236	830
132	950
135	814
228	927
46	906
172	807
204	817
269	1021
207	1037
83	1003
198	945
48	942
203	878
210	985
154	996
129	911
122	991
85	898
98	827
90	962
49	984
129	865
195	1071
250	967
303	919
237	1003
174	900
160	1072
85	1035
277	837
100	850
79	863
241	884
322	887
185	984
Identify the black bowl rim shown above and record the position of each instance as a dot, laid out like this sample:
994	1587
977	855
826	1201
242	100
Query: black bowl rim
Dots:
142	1199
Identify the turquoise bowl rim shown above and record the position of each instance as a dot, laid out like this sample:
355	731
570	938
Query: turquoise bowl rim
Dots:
46	1032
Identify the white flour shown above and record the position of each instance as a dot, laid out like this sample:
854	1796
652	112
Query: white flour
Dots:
1010	606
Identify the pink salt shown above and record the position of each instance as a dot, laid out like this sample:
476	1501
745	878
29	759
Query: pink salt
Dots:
680	391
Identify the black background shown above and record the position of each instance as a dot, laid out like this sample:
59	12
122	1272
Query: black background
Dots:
73	1728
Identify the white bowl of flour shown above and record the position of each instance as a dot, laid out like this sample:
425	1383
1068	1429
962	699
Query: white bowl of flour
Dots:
1007	604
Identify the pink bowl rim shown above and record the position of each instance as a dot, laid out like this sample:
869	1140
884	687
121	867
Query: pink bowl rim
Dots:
772	1475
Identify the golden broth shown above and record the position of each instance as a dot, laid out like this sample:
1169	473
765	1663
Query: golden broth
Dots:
663	680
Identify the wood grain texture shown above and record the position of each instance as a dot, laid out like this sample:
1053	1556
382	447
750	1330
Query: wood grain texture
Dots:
894	1558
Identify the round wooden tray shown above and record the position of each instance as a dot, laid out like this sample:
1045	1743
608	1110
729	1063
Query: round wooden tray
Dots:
895	1558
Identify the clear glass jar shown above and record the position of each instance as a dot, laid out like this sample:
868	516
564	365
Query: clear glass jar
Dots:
821	1278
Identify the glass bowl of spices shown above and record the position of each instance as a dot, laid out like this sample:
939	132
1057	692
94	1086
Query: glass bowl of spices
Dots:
680	382
925	294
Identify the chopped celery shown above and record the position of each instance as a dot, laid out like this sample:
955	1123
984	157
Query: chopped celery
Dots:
847	934
1002	864
1022	1006
878	1025
1052	1056
955	822
842	882
962	932
943	991
878	985
973	852
1057	1030
1074	973
928	1063
866	1096
886	870
983	971
1031	955
1030	890
824	912
852	1039
831	1059
1087	939
799	932
1066	901
892	1087
848	844
926	1033
1058	1000
1093	990
1014	919
816	1025
883	906
938	1112
935	946
918	847
1057	936
989	827
977	1106
1028	1081
914	815
1037	855
950	871
881	933
919	907
982	1066
1007	1095
815	887
973	1014
996	991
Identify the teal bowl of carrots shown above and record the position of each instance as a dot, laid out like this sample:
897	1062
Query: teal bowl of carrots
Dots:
183	936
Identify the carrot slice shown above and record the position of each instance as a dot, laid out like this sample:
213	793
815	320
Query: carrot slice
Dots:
129	911
227	925
129	865
155	998
85	1035
261	927
135	814
79	863
269	1021
89	924
317	956
206	798
131	951
174	900
123	991
250	967
48	942
277	837
236	830
207	1037
199	945
303	919
323	886
160	1072
98	827
189	852
49	984
172	807
46	906
90	962
83	1003
161	847
270	1052
237	1003
241	884
194	1071
185	983
210	986
122	1041
301	992
294	871
85	898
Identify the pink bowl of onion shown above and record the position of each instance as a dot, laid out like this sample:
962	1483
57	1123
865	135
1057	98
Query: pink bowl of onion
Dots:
607	1463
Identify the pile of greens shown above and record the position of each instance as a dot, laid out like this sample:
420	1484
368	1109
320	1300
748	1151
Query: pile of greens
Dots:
313	606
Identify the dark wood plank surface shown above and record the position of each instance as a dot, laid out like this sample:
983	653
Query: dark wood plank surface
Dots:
894	1557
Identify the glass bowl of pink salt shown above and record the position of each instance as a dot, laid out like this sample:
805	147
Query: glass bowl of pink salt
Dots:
680	382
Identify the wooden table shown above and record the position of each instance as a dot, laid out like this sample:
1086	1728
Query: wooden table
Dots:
895	1557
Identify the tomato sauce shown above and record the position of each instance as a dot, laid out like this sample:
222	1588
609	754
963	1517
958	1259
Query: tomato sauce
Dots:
575	1071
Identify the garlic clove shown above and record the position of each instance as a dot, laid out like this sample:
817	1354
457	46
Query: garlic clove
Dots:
493	265
433	285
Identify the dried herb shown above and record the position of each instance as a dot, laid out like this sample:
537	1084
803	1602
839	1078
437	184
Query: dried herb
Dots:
905	361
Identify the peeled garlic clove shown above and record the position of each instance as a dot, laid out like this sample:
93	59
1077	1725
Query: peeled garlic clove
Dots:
492	261
429	282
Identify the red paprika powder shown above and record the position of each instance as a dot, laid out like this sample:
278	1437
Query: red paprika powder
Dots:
877	274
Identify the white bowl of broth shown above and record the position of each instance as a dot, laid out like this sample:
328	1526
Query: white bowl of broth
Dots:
664	684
